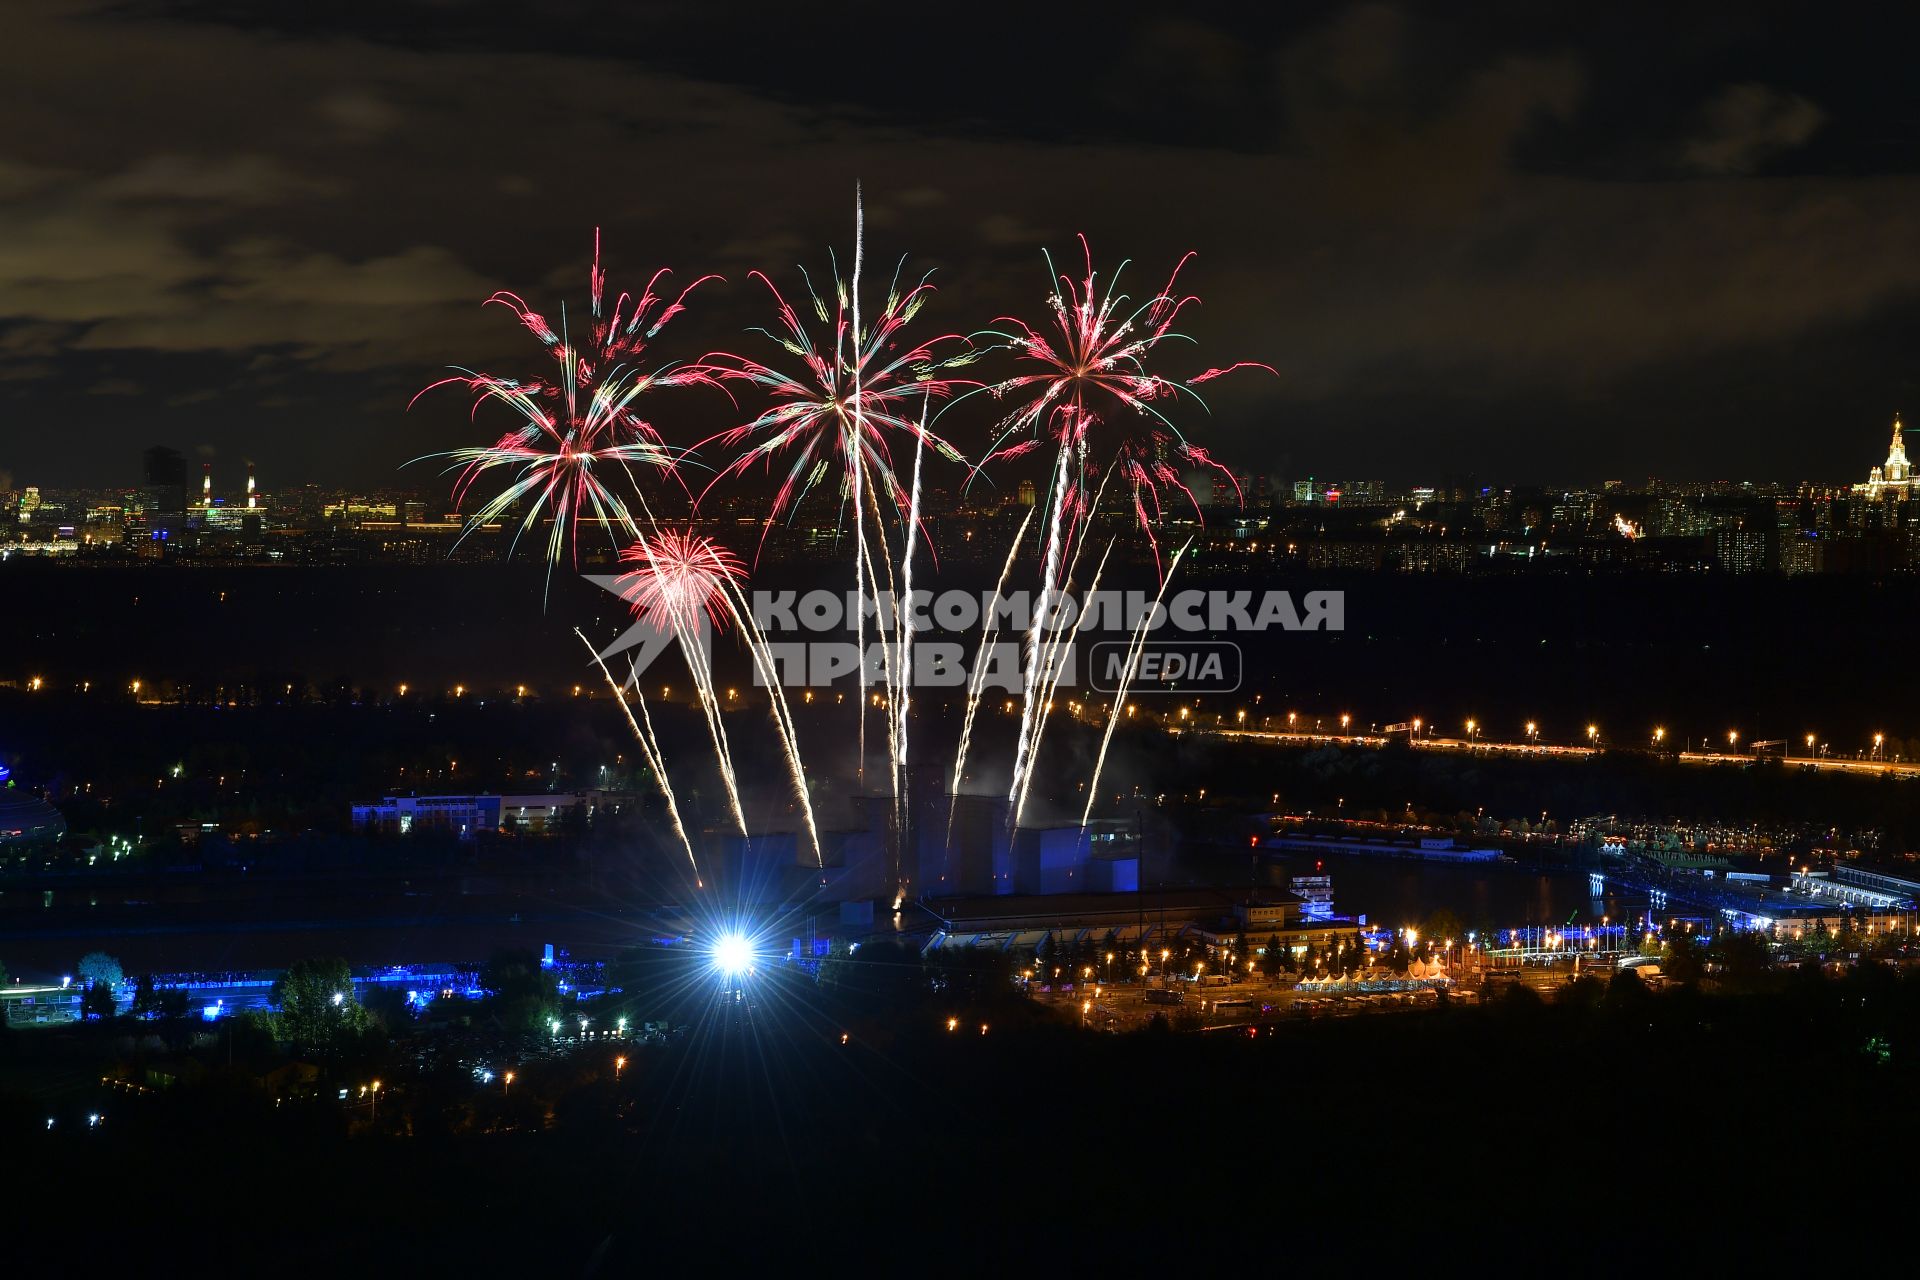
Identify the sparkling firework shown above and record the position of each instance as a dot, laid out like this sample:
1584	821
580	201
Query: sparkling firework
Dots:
579	433
649	751
680	580
677	577
1051	669
976	682
1125	683
861	387
1084	383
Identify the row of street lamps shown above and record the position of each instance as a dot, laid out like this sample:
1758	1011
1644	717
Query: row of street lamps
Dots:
1532	733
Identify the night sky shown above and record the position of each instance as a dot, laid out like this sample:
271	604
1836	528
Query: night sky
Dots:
1530	242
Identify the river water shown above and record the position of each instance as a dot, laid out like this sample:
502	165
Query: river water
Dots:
1396	892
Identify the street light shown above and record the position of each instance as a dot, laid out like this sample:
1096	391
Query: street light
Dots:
1733	739
1473	727
1533	732
1593	733
1659	736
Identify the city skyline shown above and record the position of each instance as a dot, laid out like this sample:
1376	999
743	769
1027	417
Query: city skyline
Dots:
221	475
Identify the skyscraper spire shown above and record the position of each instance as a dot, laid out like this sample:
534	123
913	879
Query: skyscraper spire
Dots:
1893	480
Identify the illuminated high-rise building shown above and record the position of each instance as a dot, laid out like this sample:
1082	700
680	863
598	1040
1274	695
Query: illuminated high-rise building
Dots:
1893	479
165	493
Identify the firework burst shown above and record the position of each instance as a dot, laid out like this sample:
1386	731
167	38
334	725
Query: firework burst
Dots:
1084	383
677	577
580	440
681	580
861	385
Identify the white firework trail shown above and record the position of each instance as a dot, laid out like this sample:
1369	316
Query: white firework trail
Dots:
649	751
889	670
1050	568
977	679
782	713
1055	668
853	449
1034	727
1126	683
710	708
903	611
702	676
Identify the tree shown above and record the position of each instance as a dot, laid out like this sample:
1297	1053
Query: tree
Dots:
1625	991
97	1001
523	995
1681	961
318	1011
97	967
145	1002
1270	960
1443	926
1743	957
1046	954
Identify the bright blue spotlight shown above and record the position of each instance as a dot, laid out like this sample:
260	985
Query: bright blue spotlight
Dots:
733	955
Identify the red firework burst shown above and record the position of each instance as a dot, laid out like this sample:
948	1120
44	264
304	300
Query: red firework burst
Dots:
677	576
1089	369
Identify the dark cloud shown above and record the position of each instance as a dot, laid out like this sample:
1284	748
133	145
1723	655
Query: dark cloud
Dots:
1560	246
1748	124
